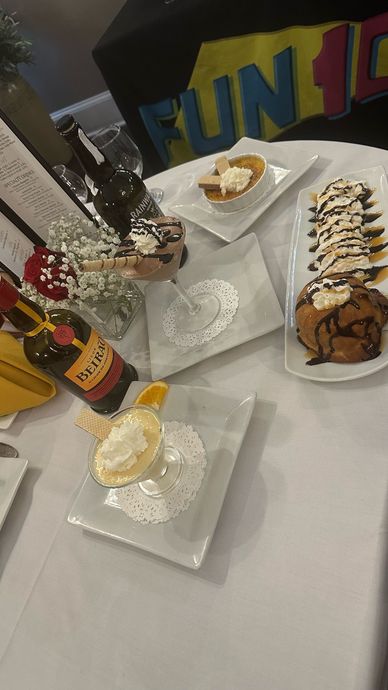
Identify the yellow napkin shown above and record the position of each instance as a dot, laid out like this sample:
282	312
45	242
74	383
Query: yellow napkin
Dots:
21	385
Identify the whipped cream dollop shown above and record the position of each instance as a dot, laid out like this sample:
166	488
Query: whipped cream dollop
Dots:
145	236
235	179
329	293
121	448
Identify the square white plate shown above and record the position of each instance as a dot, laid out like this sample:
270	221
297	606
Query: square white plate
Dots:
286	166
296	355
221	418
11	474
6	420
259	312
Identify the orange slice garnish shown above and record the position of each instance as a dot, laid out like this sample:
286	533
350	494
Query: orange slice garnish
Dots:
153	394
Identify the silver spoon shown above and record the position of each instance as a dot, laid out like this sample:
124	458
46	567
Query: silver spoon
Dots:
7	451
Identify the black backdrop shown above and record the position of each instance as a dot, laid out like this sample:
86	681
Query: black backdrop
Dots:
149	52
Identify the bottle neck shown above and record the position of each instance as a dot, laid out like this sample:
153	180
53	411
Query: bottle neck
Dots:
97	167
26	316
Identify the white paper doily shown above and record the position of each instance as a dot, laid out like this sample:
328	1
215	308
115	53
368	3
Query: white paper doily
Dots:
229	299
145	509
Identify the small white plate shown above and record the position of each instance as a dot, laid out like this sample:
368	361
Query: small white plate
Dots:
221	418
6	420
259	312
286	167
11	474
296	355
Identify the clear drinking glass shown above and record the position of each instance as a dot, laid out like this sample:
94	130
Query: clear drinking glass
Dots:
122	152
157	470
119	148
74	181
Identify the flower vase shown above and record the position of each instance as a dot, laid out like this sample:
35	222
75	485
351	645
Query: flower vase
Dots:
111	316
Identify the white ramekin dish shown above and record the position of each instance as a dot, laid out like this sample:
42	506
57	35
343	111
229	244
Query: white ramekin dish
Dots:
248	197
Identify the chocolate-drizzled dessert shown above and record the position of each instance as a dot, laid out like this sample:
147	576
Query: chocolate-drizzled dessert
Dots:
340	319
343	240
158	243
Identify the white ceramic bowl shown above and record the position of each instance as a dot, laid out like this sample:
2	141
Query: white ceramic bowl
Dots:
248	197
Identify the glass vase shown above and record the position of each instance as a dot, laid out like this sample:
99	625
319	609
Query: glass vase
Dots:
111	316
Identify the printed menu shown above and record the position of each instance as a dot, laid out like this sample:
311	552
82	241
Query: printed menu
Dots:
28	185
15	247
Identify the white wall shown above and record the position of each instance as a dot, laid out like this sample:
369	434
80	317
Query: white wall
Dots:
63	33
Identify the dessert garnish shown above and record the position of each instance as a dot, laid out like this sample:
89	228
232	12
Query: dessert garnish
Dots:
340	319
153	394
234	177
151	250
235	180
229	179
122	447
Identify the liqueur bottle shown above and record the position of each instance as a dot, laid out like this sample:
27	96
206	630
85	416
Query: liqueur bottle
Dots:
61	343
119	196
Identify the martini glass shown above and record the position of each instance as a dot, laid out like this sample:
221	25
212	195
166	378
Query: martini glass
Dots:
195	311
156	470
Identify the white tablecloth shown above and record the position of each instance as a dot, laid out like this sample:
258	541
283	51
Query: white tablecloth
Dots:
292	595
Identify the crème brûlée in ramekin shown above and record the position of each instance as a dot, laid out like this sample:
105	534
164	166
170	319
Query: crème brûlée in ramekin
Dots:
244	182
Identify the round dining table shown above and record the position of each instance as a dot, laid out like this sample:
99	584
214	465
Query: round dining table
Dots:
293	592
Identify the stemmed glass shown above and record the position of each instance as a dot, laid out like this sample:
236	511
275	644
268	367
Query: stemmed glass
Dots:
122	152
157	470
74	181
196	312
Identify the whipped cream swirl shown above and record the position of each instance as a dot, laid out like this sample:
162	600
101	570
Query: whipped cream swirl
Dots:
122	447
235	179
329	293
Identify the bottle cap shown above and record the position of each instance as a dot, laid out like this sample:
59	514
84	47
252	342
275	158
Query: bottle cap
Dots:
66	124
9	295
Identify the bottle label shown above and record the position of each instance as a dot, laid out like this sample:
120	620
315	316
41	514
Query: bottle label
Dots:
146	209
97	369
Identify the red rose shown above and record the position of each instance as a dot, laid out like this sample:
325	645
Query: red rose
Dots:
33	273
32	269
57	292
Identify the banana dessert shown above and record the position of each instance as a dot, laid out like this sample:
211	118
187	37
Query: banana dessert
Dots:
344	240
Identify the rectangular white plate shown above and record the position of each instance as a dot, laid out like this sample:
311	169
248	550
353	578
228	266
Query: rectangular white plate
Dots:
298	275
11	474
6	420
221	418
259	312
287	167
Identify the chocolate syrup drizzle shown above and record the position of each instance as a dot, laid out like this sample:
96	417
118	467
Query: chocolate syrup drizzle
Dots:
161	231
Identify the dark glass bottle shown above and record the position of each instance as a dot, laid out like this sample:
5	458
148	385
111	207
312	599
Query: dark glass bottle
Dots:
62	344
119	196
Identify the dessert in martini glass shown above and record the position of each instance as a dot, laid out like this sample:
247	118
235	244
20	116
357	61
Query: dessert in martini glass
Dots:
152	251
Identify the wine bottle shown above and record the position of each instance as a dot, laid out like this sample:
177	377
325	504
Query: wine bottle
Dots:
61	343
119	196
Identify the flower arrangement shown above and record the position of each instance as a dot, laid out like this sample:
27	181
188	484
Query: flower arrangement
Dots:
52	275
14	49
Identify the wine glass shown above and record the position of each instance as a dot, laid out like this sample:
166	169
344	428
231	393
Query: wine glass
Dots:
74	181
156	470
119	148
122	152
